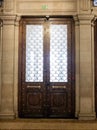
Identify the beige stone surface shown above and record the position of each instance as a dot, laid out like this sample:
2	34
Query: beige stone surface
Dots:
48	124
52	6
83	13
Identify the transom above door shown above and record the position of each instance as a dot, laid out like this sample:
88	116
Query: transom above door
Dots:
46	67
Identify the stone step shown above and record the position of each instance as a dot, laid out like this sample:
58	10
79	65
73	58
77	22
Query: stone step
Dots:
47	124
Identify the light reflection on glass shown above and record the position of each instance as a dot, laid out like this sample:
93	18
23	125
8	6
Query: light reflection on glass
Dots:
34	53
58	53
95	2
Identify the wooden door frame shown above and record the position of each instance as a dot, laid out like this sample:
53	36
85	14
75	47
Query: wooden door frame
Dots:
72	62
95	63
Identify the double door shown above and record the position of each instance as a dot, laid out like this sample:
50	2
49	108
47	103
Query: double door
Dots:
46	68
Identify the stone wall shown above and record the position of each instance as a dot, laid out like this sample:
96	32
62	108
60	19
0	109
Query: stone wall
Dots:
84	15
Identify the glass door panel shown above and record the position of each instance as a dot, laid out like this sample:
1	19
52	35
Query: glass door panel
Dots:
34	53
58	53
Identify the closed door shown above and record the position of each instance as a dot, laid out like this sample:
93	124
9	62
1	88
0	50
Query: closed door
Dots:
46	67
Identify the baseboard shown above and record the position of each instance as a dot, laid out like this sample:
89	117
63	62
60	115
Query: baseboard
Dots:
87	116
7	116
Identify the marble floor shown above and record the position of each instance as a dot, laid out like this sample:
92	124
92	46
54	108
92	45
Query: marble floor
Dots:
47	124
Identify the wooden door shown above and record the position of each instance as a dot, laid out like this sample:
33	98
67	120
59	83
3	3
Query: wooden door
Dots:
46	67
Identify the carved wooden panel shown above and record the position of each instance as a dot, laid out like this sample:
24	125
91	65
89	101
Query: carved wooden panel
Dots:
58	103
34	99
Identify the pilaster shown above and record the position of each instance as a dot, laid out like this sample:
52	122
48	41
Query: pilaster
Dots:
86	67
84	6
0	58
9	7
16	65
7	72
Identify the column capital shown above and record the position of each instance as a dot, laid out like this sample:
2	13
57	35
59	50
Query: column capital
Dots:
84	19
8	19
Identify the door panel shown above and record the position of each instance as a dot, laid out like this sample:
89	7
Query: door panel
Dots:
34	53
46	67
58	53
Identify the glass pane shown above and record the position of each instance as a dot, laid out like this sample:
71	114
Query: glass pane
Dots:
95	2
58	53
34	53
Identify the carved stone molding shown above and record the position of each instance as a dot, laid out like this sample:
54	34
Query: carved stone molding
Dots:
17	20
75	17
84	19
9	115
88	116
8	19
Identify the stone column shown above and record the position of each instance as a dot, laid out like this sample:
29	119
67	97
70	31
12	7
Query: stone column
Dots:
0	58
16	65
93	61
77	74
86	68
7	72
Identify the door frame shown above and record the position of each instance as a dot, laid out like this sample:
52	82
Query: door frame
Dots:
73	58
95	63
